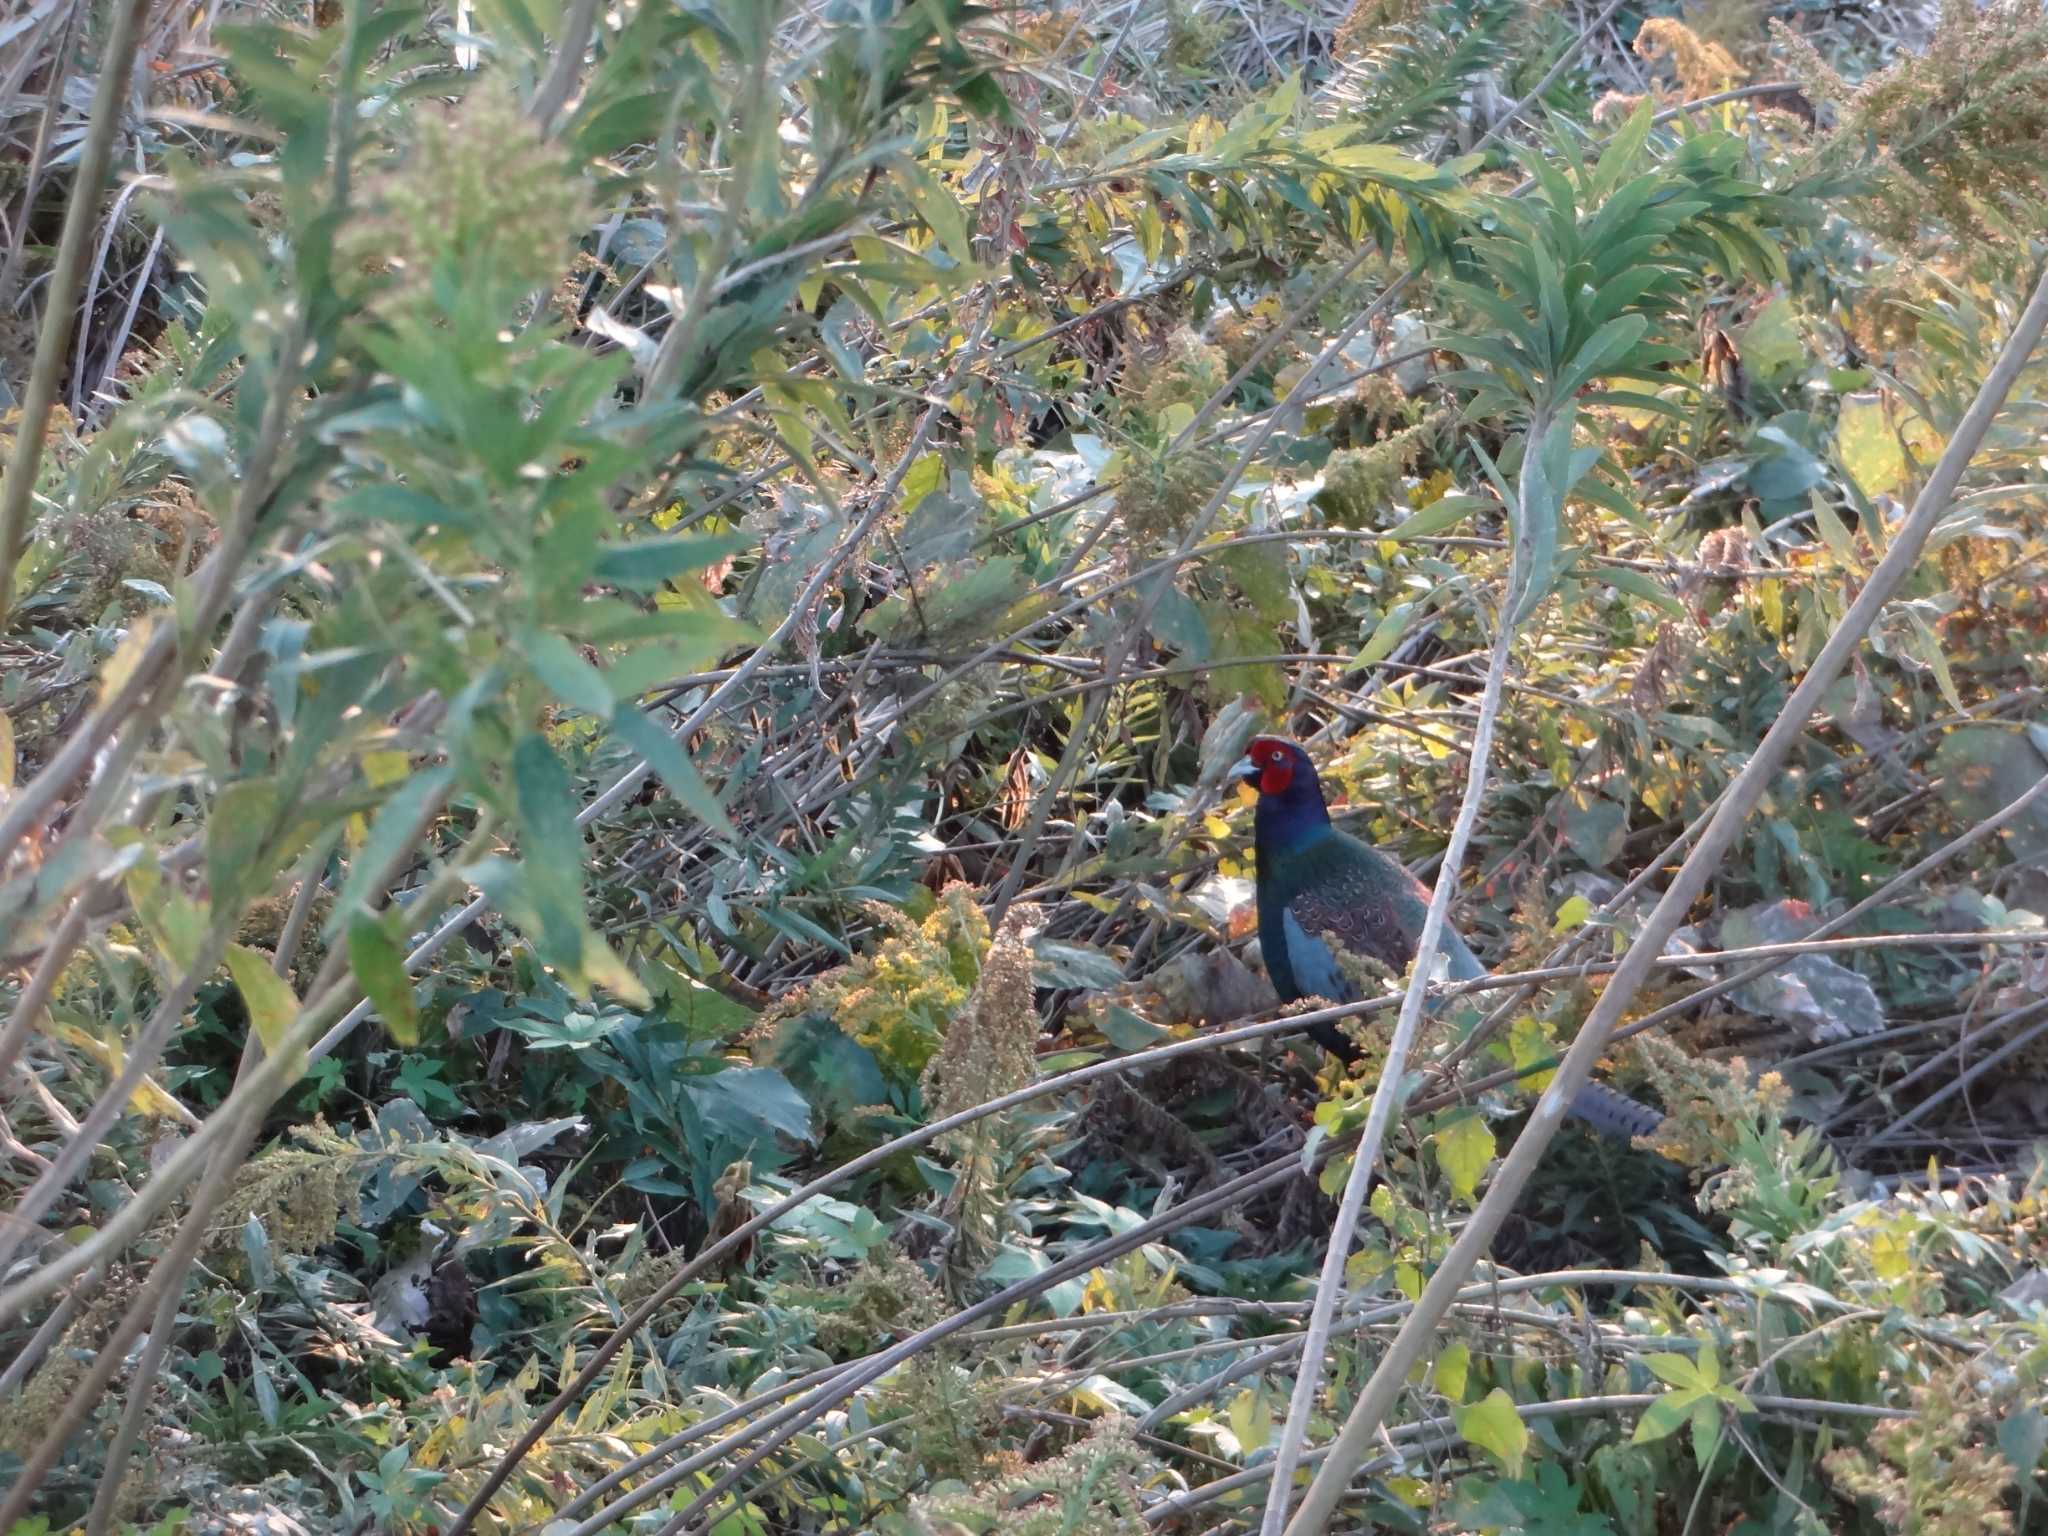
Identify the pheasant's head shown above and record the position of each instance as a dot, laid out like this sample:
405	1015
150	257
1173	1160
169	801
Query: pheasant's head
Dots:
1273	765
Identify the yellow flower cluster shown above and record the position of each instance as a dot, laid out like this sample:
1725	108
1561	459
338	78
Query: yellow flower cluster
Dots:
897	1000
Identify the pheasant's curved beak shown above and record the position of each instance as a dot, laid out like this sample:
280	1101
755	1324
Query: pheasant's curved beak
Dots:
1245	771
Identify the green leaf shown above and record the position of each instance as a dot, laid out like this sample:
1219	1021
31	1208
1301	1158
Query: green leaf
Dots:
1234	632
2023	1438
393	831
378	960
1177	623
1604	348
1835	534
748	1103
408	508
1260	571
571	679
925	475
1385	635
1443	513
237	829
1080	966
1627	1475
1635	583
1871	449
665	755
1546	478
1596	829
1622	150
1666	1416
937	206
1771	344
1709	1367
644	564
1493	1426
835	1073
1529	1043
551	849
835	333
266	995
1784	470
1451	1369
1464	1148
176	923
1127	1031
1676	1370
1706	1431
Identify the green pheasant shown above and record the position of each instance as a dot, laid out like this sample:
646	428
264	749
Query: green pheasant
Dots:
1314	879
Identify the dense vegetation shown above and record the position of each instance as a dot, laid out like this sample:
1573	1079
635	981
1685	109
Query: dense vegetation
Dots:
621	632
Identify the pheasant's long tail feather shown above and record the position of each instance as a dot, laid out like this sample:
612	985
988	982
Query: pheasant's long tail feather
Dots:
1614	1114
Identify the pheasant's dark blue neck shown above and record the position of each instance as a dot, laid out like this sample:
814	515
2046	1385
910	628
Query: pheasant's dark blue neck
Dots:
1294	818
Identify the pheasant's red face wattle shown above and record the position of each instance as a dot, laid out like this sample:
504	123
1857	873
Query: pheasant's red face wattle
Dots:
1276	766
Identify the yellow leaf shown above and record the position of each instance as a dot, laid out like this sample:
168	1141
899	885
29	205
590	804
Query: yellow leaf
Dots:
1251	1420
1451	1370
1493	1425
1463	1150
127	655
1873	448
605	969
1572	914
1891	1256
267	995
1771	598
1412	1491
1528	1042
1366	1266
6	753
176	923
148	1098
1408	1280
